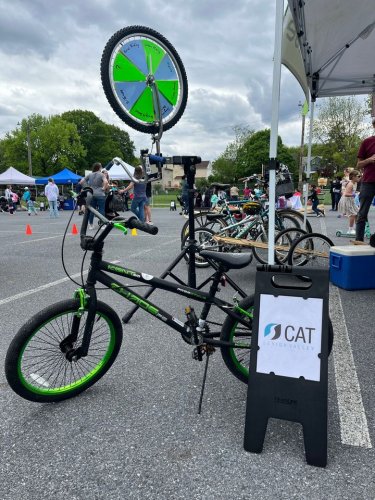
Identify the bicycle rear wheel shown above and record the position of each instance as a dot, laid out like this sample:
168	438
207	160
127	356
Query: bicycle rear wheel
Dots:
237	358
36	365
311	249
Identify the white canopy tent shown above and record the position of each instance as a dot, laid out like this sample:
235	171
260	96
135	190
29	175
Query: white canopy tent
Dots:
337	44
13	176
117	173
335	41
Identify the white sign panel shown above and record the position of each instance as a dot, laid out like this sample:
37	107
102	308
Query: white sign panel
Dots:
290	336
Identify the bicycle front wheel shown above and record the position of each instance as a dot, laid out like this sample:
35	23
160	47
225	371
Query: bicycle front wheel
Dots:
144	79
36	364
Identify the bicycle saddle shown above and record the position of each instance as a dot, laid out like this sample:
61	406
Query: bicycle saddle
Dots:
230	260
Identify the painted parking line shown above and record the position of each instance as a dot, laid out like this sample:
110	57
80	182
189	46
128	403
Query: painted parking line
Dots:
353	421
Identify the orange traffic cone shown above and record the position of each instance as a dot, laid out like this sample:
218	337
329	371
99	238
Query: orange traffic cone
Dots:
74	229
28	229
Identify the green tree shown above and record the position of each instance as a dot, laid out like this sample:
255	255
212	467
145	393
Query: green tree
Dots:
101	141
339	128
228	167
54	143
255	152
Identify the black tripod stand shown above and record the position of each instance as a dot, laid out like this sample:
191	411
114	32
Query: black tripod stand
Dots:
189	163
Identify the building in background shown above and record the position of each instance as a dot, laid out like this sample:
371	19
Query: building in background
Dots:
172	174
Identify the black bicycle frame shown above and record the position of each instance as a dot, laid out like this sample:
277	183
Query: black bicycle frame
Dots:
98	273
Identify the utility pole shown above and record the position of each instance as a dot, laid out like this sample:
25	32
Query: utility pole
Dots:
28	147
29	150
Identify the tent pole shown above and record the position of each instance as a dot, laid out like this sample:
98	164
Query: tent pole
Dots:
308	167
274	127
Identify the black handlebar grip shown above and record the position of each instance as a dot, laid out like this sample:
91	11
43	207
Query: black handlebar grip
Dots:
134	223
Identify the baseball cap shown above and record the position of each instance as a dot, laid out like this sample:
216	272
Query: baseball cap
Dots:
26	188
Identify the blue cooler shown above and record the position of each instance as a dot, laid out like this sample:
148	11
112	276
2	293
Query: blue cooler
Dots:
352	267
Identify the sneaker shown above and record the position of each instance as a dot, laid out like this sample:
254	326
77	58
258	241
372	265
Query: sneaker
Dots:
91	227
351	231
150	223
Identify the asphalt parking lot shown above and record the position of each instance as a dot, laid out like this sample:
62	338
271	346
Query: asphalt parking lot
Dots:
136	434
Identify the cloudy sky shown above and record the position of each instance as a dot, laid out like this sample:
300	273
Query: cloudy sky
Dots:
50	53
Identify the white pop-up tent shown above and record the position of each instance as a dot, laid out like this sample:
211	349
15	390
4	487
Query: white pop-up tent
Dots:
117	173
335	41
13	176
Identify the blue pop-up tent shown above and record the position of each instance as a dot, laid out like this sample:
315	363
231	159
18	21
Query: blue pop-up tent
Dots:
66	176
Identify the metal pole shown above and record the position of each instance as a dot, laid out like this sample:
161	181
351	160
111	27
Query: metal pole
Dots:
29	150
300	171
308	168
274	126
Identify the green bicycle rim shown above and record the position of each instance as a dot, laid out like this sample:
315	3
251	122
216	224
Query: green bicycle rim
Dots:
241	368
78	383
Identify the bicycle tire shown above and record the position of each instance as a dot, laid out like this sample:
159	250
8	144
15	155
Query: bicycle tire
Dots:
200	220
286	238
261	254
312	249
52	377
237	360
126	83
299	216
287	221
203	238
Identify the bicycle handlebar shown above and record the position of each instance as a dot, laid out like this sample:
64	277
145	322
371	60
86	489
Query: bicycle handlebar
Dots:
134	223
92	243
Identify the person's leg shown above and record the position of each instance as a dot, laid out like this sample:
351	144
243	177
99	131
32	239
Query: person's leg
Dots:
147	211
91	215
366	196
314	207
100	203
134	207
351	224
141	210
56	212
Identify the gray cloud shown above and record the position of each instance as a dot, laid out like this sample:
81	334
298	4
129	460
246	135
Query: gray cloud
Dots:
50	56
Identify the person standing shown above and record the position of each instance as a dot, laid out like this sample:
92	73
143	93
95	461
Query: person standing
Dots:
8	194
99	184
346	204
29	201
140	198
336	193
51	192
9	197
14	202
366	164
